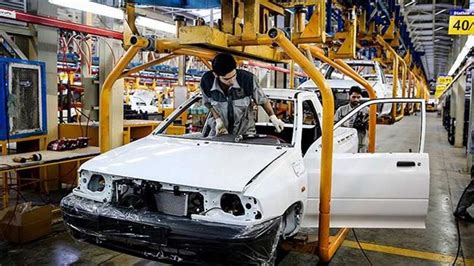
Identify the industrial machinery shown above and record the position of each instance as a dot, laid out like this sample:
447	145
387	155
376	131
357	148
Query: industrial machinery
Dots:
22	98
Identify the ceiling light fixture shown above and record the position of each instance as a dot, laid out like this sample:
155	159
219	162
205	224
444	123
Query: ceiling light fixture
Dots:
440	28
91	7
439	12
112	12
410	4
155	24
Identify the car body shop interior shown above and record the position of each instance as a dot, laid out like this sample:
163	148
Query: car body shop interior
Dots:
236	132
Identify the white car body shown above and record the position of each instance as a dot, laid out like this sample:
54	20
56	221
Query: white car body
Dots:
278	181
144	101
389	79
340	84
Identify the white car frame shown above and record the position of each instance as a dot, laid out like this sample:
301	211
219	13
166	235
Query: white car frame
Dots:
341	86
143	101
277	186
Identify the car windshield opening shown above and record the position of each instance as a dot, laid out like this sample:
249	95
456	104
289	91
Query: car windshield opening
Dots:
192	120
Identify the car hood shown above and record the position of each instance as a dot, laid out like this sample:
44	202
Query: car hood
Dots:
194	163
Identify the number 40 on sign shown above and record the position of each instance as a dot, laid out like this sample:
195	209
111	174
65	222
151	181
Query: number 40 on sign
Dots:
461	22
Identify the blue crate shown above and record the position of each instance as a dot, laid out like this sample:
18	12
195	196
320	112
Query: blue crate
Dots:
6	99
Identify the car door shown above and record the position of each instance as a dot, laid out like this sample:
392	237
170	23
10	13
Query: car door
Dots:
372	190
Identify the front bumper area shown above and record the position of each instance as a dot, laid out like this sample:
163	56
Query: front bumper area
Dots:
169	238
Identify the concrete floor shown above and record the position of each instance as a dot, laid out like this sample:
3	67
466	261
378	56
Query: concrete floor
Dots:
436	245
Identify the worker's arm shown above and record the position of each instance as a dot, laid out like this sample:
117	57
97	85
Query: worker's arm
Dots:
214	113
205	99
268	108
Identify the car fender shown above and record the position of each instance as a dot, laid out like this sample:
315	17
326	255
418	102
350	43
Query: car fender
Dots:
280	185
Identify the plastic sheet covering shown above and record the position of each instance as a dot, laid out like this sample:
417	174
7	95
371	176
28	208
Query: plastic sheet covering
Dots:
170	238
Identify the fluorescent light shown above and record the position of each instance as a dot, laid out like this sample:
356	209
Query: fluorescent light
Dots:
91	7
155	24
439	12
462	55
440	28
437	40
112	12
411	3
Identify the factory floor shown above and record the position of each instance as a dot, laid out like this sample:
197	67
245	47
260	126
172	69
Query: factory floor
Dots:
435	245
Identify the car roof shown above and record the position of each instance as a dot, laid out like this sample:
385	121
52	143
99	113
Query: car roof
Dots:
282	93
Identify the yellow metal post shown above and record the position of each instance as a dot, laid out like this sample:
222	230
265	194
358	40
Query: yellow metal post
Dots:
399	116
105	94
395	68
327	138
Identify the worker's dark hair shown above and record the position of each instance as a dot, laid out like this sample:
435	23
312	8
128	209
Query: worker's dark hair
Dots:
223	63
355	89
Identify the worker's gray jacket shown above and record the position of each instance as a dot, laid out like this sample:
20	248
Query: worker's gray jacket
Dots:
361	134
235	108
344	110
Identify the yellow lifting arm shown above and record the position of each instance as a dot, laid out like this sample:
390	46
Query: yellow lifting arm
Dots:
325	249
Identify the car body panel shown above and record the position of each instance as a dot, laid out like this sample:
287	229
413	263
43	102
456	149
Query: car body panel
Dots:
142	101
385	197
377	81
372	190
271	181
226	166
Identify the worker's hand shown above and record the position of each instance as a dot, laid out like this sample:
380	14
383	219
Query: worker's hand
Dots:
277	123
220	128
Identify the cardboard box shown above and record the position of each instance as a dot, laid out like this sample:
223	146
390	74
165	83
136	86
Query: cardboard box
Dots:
25	224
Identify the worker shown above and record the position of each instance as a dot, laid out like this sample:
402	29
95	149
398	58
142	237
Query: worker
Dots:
466	201
358	121
230	94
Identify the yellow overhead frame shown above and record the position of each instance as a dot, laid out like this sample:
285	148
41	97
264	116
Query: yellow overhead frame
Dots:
349	44
397	62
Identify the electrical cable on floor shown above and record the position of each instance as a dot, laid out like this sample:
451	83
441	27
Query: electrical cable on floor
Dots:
360	246
459	242
457	228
